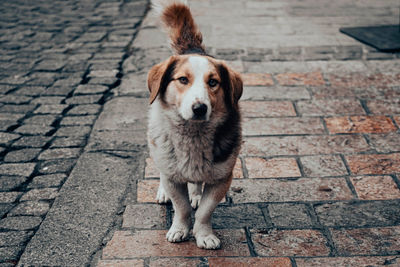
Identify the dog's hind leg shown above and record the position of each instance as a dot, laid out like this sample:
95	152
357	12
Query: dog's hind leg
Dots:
178	193
195	194
202	230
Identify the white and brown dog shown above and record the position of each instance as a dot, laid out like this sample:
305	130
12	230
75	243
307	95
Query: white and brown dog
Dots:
194	126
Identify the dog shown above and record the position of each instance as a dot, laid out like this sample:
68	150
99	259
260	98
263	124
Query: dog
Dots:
194	130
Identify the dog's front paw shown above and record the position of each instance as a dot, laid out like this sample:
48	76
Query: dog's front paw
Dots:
177	234
162	195
195	200
208	241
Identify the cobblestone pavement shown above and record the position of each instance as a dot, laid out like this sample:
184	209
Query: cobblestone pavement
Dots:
317	180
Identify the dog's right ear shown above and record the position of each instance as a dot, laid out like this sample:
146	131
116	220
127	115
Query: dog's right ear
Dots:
159	77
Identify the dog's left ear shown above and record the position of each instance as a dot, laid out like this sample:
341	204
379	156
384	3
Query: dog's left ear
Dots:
232	84
159	77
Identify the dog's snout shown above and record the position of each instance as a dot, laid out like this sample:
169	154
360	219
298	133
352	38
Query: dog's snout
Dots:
199	110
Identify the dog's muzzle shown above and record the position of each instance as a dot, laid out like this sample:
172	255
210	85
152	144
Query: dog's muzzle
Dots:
199	111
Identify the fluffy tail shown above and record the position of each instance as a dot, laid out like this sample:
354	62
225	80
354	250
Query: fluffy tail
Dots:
182	30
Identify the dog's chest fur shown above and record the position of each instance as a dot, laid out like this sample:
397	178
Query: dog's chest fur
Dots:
183	150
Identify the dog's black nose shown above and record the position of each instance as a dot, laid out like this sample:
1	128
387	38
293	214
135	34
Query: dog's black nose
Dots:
199	110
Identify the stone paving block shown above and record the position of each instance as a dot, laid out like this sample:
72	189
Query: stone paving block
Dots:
252	79
151	170
7	137
60	153
303	145
31	141
58	91
48	100
367	241
289	243
181	262
385	143
145	216
34	129
77	120
274	167
22	155
14	238
374	163
238	169
84	99
255	262
289	215
147	190
362	80
51	109
323	107
11	182
360	124
358	214
322	166
75	131
281	126
10	254
375	187
267	109
90	89
349	261
281	92
68	142
238	216
56	166
23	169
39	194
5	208
18	108
85	109
329	92
311	78
15	99
116	140
388	107
126	244
50	180
9	197
35	208
120	263
45	120
20	223
277	67
276	190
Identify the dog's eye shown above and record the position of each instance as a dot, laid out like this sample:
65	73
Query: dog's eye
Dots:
183	80
212	82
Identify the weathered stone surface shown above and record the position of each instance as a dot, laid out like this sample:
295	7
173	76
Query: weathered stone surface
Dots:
146	216
238	216
20	223
289	215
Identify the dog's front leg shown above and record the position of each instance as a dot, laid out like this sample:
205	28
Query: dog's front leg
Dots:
212	195
178	194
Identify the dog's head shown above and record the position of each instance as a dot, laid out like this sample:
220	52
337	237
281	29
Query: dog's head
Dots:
195	86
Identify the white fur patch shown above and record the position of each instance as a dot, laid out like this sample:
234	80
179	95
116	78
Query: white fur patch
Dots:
198	92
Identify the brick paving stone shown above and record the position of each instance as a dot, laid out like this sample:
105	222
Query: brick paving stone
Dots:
90	89
274	168
68	142
349	261
121	263
152	243
385	143
14	238
77	120
255	262
75	131
238	216
312	78
375	187
23	169
35	208
319	92
322	166
303	145
270	93
48	100
58	91
60	153
147	190
267	109
84	99
34	129
252	79
18	108
276	190
289	243
22	155
281	126
386	107
7	137
45	120
9	197
38	194
358	214
50	180
323	107
152	216
367	241
11	182
362	80
30	90
88	109
360	124
289	215
56	166
15	99
31	141
20	223
374	163
181	262
51	109
238	169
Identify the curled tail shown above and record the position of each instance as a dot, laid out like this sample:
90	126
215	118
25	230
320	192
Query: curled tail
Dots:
182	30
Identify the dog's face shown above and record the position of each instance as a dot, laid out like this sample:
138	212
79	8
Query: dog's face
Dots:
196	87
